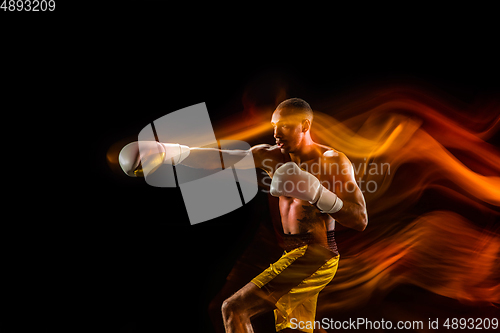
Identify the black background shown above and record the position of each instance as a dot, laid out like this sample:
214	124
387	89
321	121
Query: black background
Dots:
93	249
159	270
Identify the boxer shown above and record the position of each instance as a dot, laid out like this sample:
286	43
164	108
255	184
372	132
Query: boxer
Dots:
316	187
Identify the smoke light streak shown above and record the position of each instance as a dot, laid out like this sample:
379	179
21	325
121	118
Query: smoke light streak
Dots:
434	220
439	148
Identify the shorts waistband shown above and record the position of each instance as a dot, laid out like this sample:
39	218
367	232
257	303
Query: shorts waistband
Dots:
293	241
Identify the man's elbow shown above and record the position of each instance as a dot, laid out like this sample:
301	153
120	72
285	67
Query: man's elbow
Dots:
362	222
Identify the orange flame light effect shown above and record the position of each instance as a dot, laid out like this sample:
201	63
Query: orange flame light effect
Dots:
433	215
431	145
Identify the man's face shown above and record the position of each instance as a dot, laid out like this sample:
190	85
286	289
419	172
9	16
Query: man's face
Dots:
288	130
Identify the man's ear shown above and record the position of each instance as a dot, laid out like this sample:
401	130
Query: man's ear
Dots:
306	125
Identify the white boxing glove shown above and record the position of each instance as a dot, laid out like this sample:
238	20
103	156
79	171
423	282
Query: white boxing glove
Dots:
142	158
290	181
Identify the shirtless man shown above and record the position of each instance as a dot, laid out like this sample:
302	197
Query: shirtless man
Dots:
316	187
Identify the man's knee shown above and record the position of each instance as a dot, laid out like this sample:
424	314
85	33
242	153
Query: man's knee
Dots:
226	306
246	302
231	306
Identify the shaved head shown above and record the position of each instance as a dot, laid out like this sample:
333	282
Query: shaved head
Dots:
294	110
296	107
292	122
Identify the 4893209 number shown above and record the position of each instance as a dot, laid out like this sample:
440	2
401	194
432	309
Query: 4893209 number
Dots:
471	323
28	5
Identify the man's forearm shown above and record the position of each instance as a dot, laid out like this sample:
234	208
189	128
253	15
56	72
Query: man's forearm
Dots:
137	159
352	215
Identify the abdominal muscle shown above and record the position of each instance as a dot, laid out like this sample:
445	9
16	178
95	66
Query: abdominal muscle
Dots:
298	217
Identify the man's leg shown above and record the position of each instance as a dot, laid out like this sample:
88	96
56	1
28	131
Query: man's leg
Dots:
247	302
294	267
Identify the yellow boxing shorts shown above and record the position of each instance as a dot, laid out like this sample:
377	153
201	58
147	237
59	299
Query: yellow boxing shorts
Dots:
301	274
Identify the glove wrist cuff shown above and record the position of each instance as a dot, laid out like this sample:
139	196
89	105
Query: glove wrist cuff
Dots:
179	153
329	202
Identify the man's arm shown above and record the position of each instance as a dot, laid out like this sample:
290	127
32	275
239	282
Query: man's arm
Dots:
210	158
343	201
155	153
353	213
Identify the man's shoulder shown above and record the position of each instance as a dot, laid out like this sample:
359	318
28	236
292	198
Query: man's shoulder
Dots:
332	155
265	149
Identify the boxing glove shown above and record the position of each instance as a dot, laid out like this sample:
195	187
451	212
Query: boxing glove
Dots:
290	181
142	158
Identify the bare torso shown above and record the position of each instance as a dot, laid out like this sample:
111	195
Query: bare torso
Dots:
298	216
